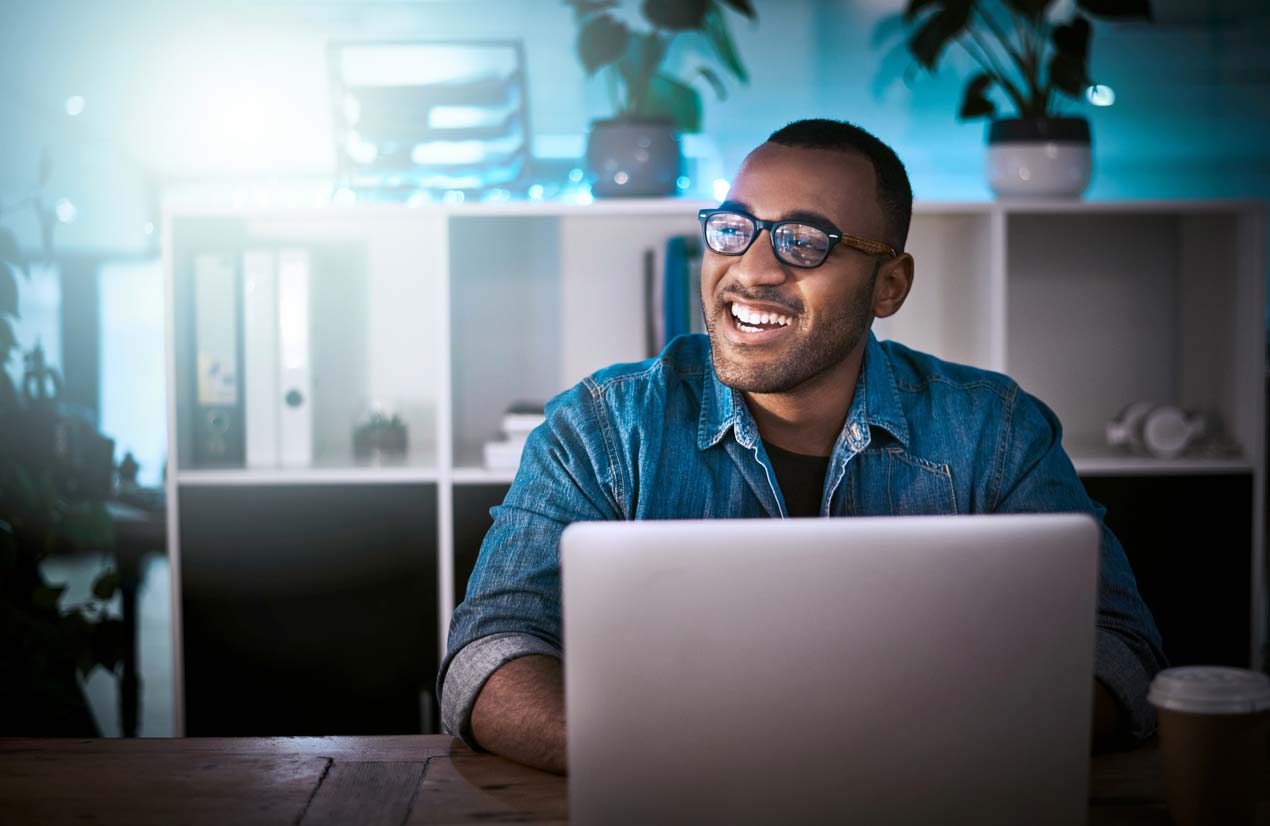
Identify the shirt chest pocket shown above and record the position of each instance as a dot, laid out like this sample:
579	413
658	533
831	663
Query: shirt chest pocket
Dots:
893	483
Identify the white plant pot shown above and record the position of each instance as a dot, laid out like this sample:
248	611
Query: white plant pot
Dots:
1048	158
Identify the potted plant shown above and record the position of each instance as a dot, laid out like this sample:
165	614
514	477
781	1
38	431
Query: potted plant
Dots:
54	474
636	152
1037	63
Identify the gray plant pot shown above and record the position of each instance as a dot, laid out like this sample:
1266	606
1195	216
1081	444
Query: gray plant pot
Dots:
1039	157
633	158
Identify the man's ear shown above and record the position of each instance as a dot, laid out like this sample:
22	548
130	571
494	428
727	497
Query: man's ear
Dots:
890	288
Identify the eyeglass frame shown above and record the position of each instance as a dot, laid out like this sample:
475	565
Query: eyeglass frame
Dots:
835	237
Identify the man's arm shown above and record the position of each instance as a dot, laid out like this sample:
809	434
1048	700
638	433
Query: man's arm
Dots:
510	620
520	713
1033	474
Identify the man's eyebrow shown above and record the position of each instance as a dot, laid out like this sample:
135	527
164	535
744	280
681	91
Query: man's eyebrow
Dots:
811	217
808	215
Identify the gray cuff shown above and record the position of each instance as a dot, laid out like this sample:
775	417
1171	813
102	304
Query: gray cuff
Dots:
1122	672
472	666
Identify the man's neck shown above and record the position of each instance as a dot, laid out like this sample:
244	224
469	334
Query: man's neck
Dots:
809	418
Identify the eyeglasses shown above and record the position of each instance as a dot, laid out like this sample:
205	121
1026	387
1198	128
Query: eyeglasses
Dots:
796	243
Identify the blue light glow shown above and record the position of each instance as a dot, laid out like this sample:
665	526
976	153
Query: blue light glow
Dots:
1100	95
682	183
75	105
66	211
721	187
535	192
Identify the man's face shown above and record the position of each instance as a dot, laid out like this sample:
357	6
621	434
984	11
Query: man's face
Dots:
830	307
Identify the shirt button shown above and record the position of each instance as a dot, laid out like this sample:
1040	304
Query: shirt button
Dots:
855	431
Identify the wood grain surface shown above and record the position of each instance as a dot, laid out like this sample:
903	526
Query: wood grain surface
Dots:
420	780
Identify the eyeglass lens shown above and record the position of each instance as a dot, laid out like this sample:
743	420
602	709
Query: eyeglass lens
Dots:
798	244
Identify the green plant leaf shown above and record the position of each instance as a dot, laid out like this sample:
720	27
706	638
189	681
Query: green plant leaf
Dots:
9	247
715	82
109	638
8	549
974	101
8	343
1067	74
88	526
636	70
106	584
939	29
8	290
1118	9
47	596
743	6
668	98
896	64
720	38
582	8
915	7
1032	9
602	40
888	28
676	15
48	222
1072	38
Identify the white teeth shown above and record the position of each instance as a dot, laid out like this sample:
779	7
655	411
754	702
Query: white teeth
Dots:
753	318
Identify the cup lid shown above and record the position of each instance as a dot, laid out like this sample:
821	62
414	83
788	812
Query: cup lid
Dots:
1205	689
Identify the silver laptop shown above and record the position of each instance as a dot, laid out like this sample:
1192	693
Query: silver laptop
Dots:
864	670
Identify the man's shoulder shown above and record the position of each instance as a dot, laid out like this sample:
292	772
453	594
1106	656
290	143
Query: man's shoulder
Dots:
685	359
919	373
642	388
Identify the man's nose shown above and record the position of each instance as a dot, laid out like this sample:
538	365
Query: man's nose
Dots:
759	264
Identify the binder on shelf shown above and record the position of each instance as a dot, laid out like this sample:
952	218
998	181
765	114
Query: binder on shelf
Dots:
681	289
218	409
295	411
262	381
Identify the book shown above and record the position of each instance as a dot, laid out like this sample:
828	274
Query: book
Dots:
295	417
262	382
218	417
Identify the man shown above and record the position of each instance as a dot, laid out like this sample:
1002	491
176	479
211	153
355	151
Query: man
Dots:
790	407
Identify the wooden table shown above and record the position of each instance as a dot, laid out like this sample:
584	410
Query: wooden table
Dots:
420	779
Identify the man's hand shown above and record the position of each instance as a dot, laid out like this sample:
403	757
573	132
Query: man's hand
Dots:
1106	722
520	713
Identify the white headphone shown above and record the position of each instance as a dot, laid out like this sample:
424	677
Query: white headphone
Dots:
1158	429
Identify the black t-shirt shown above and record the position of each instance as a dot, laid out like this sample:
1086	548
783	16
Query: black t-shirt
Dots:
800	477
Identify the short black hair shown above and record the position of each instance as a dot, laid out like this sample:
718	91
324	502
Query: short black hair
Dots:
894	194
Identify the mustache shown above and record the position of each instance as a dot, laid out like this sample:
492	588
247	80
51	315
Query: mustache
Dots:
762	295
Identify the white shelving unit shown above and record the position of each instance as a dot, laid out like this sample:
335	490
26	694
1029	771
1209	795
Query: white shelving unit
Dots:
448	313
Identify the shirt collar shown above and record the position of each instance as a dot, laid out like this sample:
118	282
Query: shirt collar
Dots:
876	403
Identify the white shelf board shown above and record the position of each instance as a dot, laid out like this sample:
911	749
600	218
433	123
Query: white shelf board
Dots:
599	207
315	475
1079	207
1099	460
482	476
674	206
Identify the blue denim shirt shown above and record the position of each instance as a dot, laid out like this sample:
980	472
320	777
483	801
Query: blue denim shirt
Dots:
665	439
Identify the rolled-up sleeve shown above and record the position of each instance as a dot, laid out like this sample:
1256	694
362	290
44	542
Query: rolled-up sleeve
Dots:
1034	474
472	666
512	607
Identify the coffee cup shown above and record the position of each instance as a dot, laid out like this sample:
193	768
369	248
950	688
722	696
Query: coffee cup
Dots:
1213	727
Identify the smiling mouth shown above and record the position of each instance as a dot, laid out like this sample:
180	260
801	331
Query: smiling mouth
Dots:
754	321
